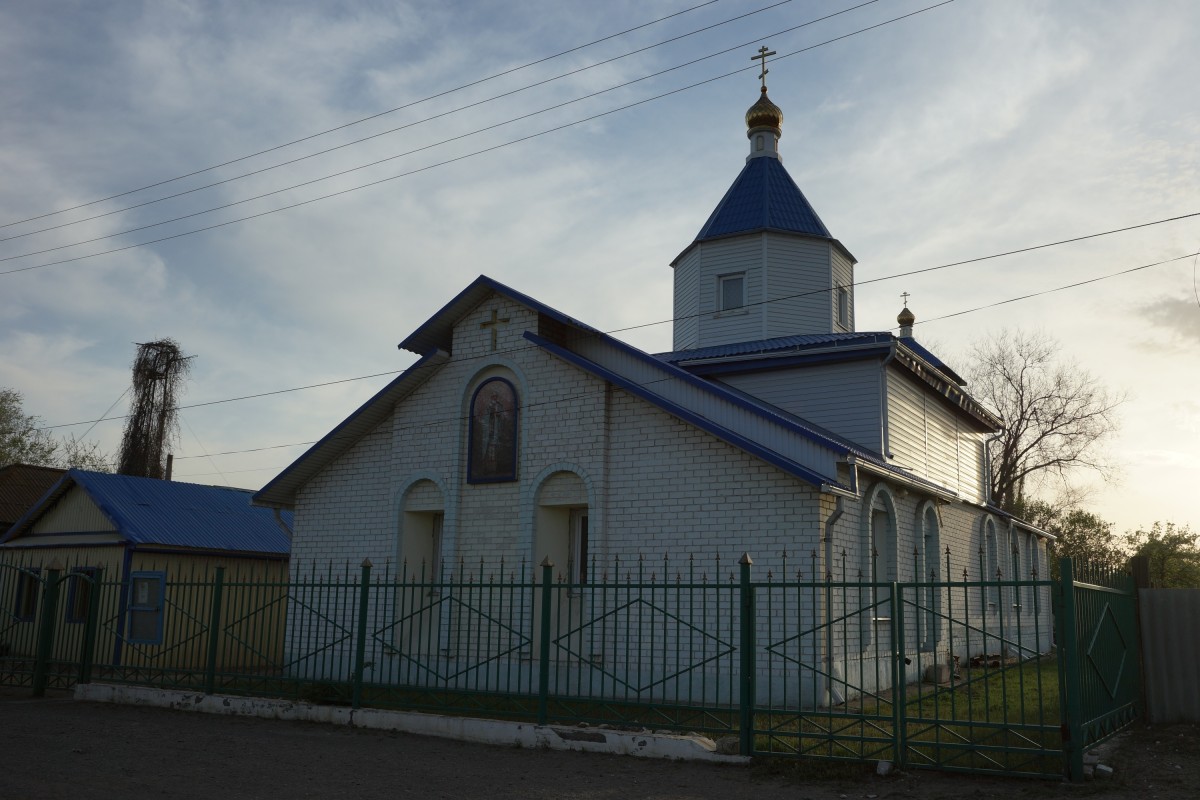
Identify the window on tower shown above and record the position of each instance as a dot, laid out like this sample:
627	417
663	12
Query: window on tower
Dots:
843	307
732	291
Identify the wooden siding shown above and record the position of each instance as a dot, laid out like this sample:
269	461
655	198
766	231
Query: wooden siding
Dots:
926	437
845	398
798	270
74	512
687	301
723	257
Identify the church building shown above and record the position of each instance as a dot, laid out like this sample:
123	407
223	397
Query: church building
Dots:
773	428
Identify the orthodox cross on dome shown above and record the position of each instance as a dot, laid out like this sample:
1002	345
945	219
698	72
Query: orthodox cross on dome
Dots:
762	56
904	296
494	324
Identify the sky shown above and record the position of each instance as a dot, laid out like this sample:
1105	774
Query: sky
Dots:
969	129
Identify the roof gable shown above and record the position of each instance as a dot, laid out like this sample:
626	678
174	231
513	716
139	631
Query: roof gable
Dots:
146	511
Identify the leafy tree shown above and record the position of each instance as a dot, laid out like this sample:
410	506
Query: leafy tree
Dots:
24	441
1173	554
1080	534
1056	415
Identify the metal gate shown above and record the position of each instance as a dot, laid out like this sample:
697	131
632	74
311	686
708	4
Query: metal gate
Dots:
1100	664
953	675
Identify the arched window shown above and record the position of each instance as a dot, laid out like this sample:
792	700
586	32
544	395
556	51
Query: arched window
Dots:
1017	571
990	564
879	562
492	443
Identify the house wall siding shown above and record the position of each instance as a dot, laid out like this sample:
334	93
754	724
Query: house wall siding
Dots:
723	257
687	301
841	397
928	438
798	275
74	512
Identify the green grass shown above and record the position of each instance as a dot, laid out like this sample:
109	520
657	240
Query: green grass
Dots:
1003	719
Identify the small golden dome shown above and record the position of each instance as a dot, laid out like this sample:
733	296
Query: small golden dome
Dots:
906	318
764	114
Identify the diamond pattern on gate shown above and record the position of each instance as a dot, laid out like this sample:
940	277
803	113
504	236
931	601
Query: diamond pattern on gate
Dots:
1106	642
640	625
502	639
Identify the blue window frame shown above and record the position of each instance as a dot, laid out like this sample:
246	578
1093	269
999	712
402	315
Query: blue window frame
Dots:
146	607
25	603
79	595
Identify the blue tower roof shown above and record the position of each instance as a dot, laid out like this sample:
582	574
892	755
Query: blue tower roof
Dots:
763	196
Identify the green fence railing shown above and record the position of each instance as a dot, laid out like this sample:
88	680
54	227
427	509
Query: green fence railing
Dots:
957	675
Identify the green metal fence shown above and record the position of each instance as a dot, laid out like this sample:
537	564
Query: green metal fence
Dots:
942	674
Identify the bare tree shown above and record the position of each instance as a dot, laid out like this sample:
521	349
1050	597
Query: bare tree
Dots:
158	372
1056	415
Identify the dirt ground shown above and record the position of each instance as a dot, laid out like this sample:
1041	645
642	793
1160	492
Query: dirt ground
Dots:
60	748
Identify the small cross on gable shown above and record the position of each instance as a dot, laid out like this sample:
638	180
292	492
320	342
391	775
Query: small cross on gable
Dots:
494	324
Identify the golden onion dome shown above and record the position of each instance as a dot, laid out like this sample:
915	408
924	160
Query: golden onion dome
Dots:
764	114
906	318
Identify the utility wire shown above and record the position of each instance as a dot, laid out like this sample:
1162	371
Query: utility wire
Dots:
1064	287
575	398
691	316
440	163
404	154
405	127
365	119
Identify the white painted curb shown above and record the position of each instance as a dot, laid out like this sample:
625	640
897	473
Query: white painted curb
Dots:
466	729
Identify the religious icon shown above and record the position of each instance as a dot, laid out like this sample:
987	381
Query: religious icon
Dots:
493	439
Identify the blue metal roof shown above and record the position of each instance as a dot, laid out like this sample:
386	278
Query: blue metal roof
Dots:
763	196
146	511
813	341
775	345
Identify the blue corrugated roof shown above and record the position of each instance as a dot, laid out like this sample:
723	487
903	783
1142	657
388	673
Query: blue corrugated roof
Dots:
168	513
806	342
775	345
763	196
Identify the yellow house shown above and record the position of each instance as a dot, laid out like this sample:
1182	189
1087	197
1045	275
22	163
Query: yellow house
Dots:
140	558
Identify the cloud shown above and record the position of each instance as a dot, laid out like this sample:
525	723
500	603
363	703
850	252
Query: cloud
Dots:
1178	317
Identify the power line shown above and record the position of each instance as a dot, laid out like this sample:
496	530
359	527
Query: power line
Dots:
414	151
365	119
775	300
440	163
1060	288
401	128
924	270
572	399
